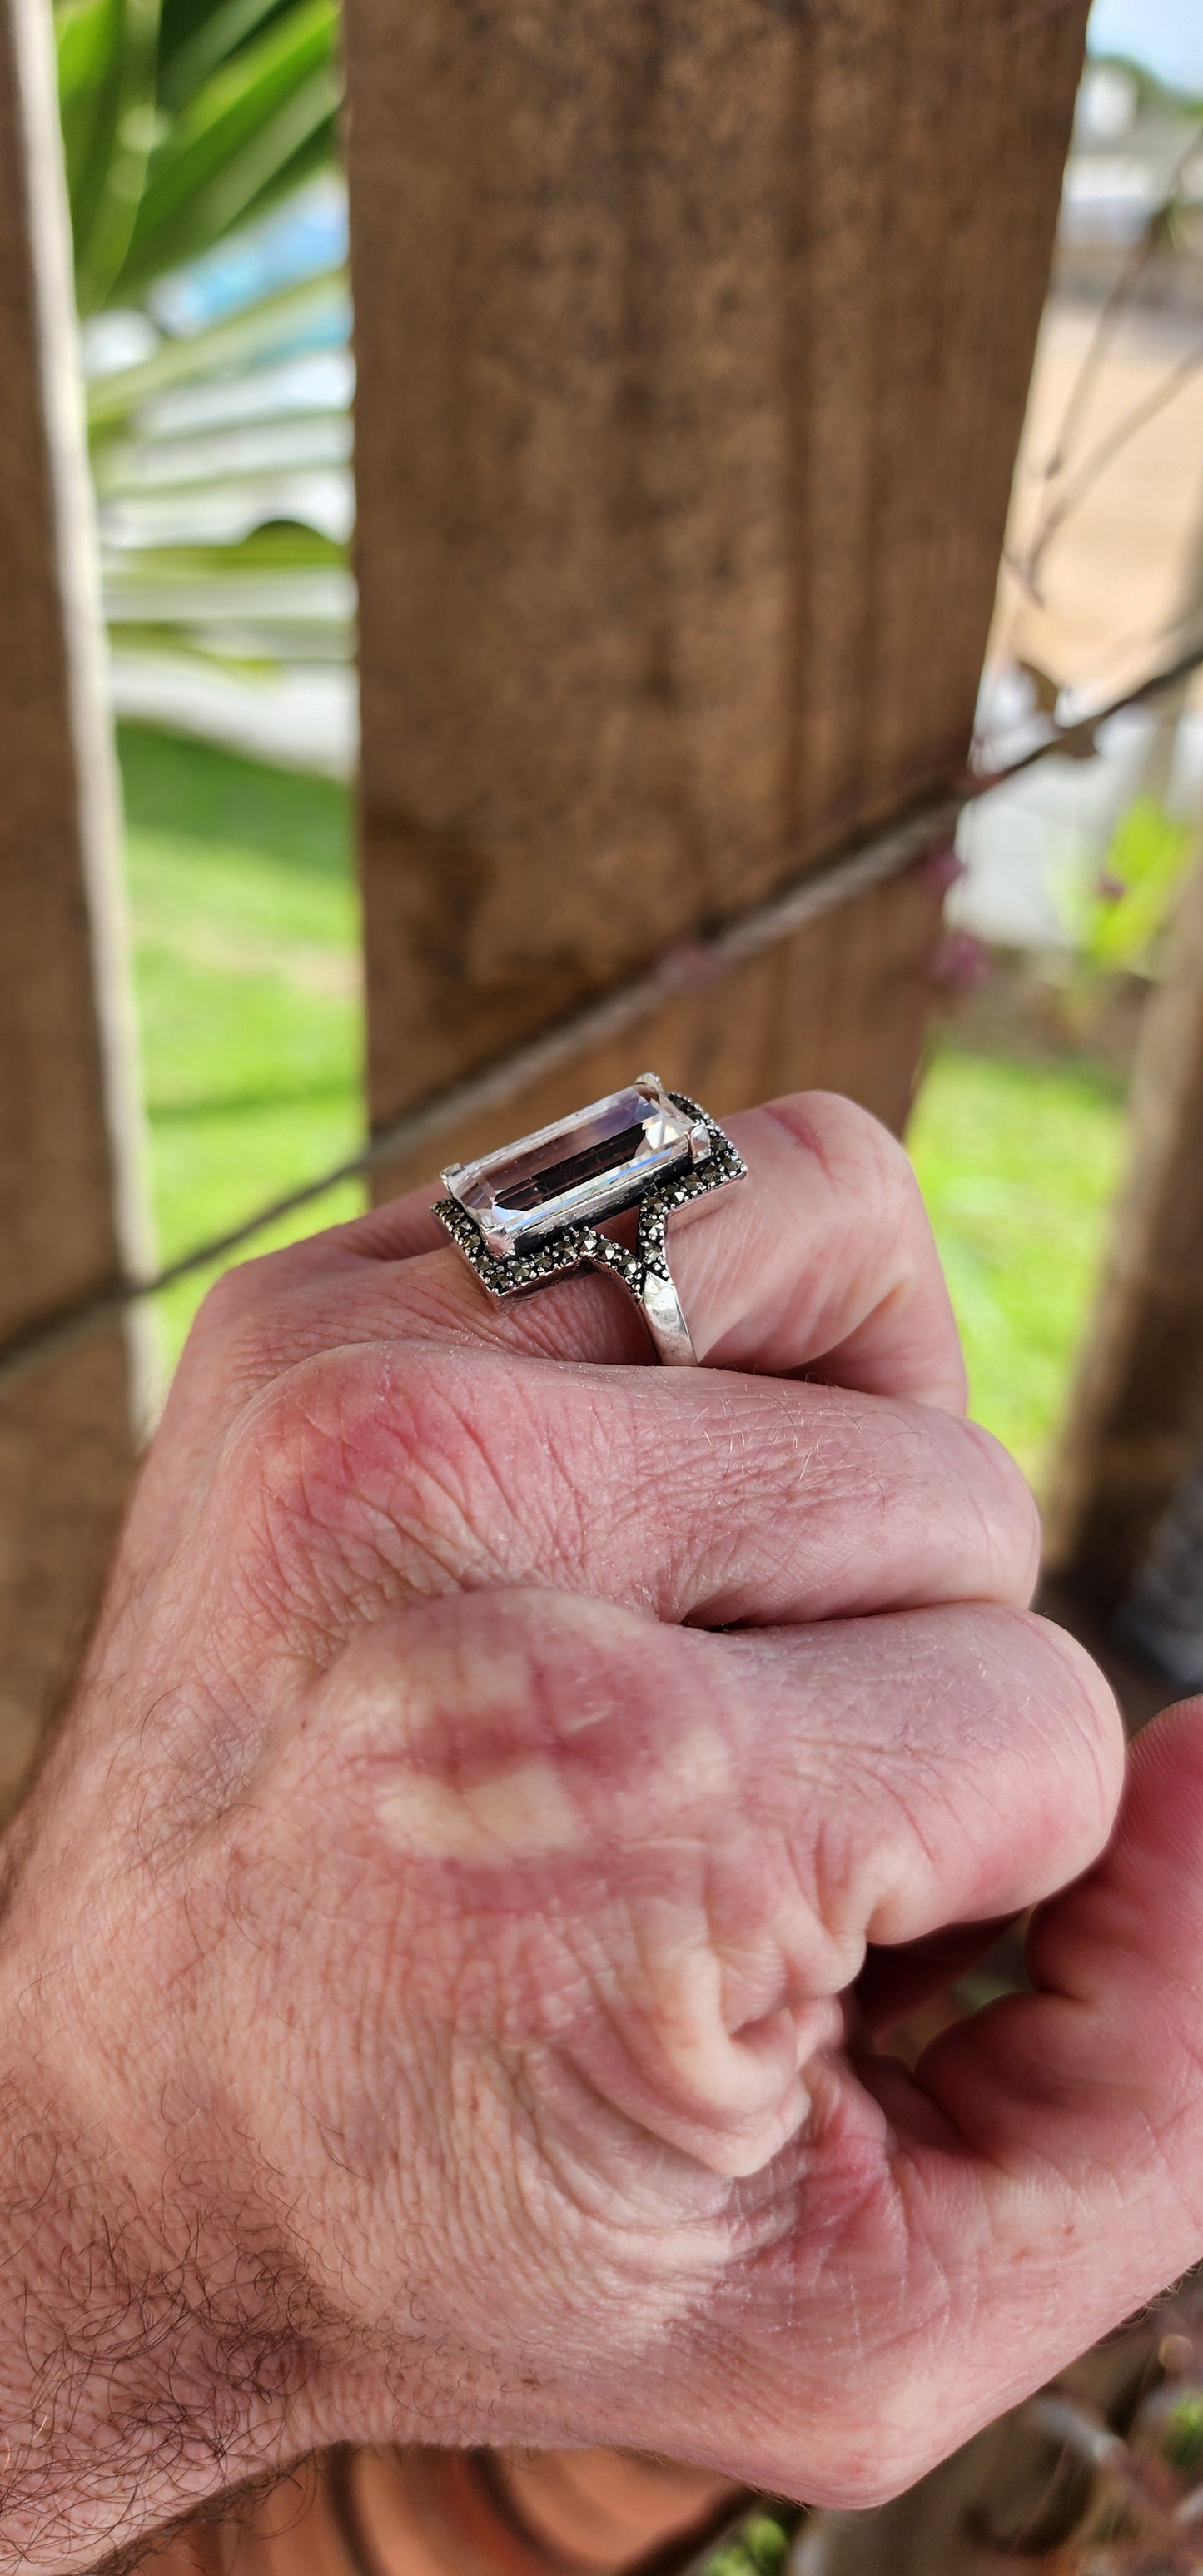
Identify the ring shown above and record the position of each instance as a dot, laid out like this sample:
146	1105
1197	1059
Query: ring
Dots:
531	1212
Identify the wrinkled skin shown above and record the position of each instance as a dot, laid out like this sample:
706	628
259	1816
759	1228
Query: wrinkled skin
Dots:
509	1783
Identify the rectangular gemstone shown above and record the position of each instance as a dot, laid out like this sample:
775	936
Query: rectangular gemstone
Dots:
584	1168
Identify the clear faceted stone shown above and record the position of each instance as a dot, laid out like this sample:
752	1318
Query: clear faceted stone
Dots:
588	1166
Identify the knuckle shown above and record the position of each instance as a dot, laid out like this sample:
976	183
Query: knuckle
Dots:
866	1167
852	1146
522	1667
224	1313
1009	1514
855	2460
270	1283
1073	1691
244	1292
571	1755
227	1355
902	1504
861	2485
382	1472
599	1685
237	1325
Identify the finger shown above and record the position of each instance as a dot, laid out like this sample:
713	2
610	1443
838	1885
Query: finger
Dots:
821	1260
1037	2181
829	1262
694	1836
398	1229
710	1498
968	1761
1072	2188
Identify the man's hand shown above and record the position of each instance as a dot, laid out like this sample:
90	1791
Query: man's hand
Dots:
430	1994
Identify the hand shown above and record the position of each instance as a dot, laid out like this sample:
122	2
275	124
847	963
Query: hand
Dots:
432	1945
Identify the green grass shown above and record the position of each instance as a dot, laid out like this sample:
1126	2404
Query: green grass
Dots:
246	937
1018	1163
246	940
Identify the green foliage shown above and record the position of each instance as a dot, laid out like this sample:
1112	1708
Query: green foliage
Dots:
1116	916
244	607
759	2547
265	589
242	340
1152	92
247	976
246	135
181	118
1182	2433
108	51
1018	1163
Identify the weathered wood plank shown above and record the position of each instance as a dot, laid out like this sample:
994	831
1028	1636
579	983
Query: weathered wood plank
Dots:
1135	1420
68	1212
787	1020
693	343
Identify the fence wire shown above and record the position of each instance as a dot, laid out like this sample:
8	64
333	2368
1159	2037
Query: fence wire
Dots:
685	968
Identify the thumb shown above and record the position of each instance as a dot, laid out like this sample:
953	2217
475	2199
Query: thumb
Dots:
1084	2100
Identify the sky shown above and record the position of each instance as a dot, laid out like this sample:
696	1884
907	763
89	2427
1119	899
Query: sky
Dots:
1165	35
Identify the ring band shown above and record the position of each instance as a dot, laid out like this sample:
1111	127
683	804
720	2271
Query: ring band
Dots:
532	1211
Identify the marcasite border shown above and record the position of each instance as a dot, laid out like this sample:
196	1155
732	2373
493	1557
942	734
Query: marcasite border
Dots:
582	1246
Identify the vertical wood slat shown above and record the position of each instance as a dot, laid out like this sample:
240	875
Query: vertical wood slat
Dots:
1135	1421
693	339
68	1205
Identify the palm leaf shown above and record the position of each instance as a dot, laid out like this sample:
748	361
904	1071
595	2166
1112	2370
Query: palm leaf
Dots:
180	119
129	137
218	33
108	60
245	339
274	157
222	458
235	140
87	40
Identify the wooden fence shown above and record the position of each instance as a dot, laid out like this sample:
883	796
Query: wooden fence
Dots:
693	345
69	1210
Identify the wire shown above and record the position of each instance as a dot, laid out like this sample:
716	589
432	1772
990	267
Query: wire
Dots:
690	965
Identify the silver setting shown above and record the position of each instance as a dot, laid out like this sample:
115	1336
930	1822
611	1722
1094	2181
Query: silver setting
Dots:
685	1156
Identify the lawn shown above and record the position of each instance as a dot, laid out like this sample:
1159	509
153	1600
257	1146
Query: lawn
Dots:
1018	1163
246	939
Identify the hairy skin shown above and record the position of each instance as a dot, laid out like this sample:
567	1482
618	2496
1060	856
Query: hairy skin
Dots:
432	1980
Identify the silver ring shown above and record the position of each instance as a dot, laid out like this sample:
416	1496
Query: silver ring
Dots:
532	1212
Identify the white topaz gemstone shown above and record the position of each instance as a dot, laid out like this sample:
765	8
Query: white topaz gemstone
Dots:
584	1168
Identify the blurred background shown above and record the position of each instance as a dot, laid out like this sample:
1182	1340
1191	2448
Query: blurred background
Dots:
210	242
